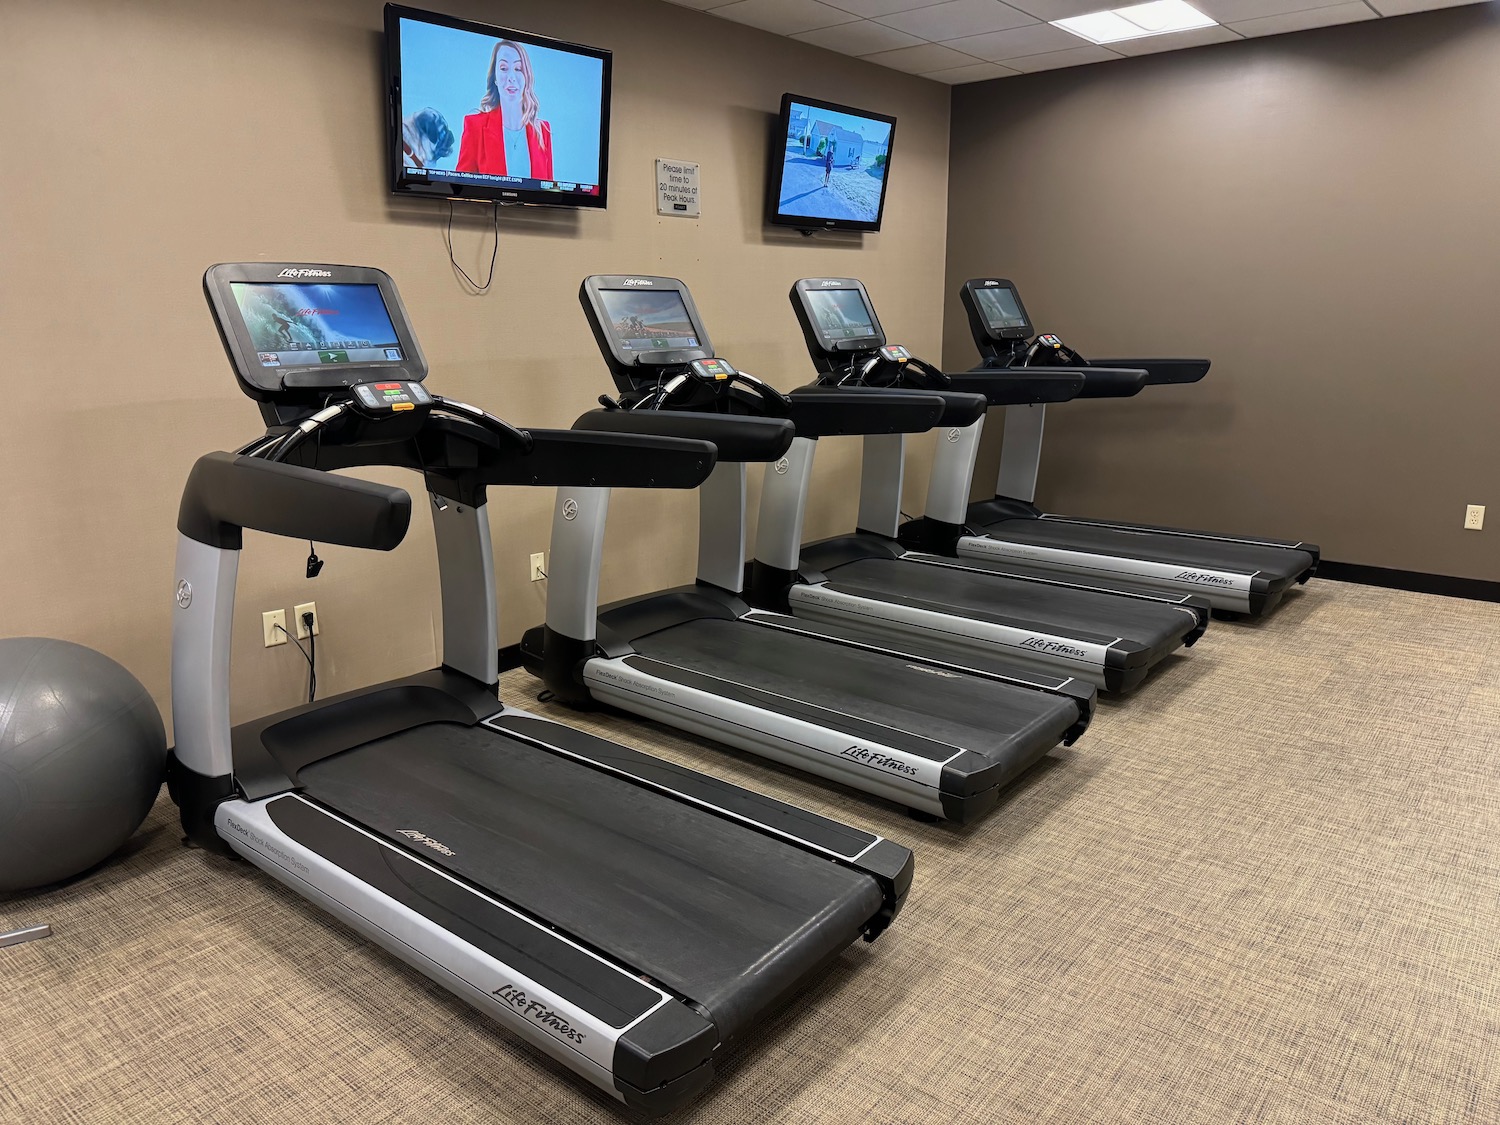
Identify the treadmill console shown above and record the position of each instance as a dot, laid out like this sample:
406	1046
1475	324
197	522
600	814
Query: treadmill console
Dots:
996	314
378	400
296	333
714	369
646	327
838	321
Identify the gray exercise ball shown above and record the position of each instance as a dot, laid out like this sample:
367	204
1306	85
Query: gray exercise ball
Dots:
82	750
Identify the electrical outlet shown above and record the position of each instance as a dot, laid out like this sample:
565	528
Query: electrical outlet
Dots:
273	624
538	566
1474	517
317	626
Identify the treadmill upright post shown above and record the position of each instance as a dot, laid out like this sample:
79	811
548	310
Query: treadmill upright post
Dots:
882	475
721	527
1021	455
577	550
466	568
953	470
201	626
783	505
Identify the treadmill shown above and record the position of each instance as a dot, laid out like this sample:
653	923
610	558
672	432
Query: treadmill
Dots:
1238	575
1111	638
939	735
624	915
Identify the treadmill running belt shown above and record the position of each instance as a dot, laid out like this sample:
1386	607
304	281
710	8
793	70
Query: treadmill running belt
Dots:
718	913
1083	614
1275	564
1003	724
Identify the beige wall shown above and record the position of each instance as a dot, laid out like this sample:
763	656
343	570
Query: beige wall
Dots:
160	137
1316	212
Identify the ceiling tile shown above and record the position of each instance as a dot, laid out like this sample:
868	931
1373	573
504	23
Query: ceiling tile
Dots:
701	5
975	72
862	37
785	17
1033	39
1176	41
957	18
1402	7
1233	11
1301	21
922	60
1052	60
869	8
1062	9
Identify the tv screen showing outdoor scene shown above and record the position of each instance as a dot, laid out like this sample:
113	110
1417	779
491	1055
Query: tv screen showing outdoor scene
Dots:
480	112
830	165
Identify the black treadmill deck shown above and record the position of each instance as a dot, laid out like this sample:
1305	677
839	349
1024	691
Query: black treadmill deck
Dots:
872	695
1057	610
727	917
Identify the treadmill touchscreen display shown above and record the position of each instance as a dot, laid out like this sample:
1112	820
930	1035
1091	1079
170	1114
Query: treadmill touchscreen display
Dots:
297	324
841	314
1000	307
647	320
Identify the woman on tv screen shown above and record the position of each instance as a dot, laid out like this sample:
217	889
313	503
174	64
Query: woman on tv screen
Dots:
507	137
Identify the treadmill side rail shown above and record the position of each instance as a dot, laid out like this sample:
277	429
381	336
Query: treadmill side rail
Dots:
384	893
1228	590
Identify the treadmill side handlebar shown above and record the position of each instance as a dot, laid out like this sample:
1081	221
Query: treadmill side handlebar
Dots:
1111	381
1022	386
821	411
737	437
583	459
226	493
1160	371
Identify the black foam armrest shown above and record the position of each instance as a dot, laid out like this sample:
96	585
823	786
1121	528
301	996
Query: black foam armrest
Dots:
820	411
226	492
1021	386
1159	371
737	437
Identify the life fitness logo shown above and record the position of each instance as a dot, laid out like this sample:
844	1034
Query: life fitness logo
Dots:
954	434
832	283
304	273
989	283
635	281
782	466
570	509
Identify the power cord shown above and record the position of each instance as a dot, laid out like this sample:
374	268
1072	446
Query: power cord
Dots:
312	660
494	249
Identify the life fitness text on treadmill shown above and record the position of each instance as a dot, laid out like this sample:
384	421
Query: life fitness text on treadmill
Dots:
880	761
535	1010
1206	579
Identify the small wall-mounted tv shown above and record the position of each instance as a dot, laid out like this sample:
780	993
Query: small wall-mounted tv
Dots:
487	113
829	166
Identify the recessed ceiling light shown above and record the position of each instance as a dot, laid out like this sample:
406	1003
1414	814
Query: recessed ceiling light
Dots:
1159	17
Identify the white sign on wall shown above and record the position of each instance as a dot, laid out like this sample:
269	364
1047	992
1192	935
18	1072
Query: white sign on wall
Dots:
676	188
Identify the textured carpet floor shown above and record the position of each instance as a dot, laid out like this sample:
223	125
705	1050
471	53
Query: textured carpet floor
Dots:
1264	889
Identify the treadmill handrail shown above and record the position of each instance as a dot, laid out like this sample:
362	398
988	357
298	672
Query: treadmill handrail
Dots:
820	411
226	493
737	437
582	457
1020	386
960	407
1162	371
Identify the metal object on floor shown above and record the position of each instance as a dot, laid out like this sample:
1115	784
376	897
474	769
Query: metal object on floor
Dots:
25	934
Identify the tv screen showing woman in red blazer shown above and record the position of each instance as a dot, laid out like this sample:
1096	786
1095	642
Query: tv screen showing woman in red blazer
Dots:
507	137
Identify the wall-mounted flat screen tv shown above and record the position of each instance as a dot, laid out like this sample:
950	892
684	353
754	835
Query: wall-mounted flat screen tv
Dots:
829	166
487	113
